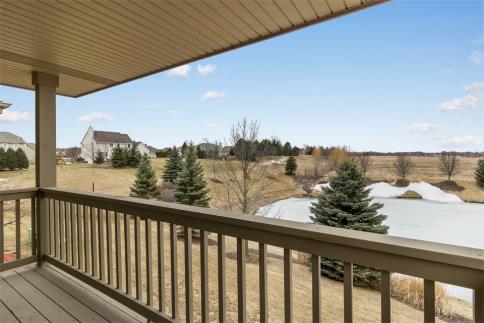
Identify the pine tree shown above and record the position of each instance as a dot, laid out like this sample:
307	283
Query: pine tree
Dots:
22	160
479	173
287	149
99	158
118	157
291	165
144	185
10	159
3	159
190	187
173	166
133	156
347	205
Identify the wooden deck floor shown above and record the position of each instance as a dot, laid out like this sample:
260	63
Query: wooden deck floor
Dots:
33	294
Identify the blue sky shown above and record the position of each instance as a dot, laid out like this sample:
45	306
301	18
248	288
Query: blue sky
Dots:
406	75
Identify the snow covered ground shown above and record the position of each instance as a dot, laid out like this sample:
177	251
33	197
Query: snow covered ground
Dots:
275	162
427	191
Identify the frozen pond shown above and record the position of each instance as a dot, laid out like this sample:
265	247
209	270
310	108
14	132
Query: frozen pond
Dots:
458	224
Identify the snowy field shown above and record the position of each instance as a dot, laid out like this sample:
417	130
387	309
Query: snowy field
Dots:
426	190
451	223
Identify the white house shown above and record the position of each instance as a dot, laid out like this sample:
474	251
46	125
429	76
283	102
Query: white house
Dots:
145	150
106	141
9	140
103	141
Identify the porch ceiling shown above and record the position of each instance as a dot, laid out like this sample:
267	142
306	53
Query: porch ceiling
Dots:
94	45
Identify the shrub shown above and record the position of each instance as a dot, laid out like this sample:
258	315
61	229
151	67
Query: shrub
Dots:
21	159
291	165
479	173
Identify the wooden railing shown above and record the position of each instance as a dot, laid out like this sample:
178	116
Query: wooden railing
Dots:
107	242
17	207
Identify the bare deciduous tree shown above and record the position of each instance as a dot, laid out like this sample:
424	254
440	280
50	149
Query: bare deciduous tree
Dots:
364	162
73	152
448	163
403	166
246	184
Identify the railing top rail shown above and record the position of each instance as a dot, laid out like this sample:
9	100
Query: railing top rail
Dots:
460	256
21	193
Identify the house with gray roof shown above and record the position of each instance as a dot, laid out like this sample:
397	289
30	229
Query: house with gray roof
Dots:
103	141
10	140
106	141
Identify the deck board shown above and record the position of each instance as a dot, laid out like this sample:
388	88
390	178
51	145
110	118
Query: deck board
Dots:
33	294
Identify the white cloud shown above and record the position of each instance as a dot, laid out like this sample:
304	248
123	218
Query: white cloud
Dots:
205	70
211	125
476	57
95	116
463	141
151	106
182	70
9	116
172	112
212	95
422	127
473	99
478	41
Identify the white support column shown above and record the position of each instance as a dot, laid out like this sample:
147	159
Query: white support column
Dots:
45	125
45	146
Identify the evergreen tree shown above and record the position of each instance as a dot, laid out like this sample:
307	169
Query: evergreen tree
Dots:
3	159
21	158
99	158
347	205
133	156
479	173
173	166
190	187
287	149
144	185
10	159
118	157
184	149
291	165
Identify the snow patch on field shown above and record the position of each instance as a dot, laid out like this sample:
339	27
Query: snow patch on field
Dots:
427	191
274	162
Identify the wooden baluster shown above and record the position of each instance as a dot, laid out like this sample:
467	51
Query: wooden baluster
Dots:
174	271
67	223
429	301
478	305
73	235
50	207
117	238
137	256
348	292
316	289
18	253
149	266
204	275
80	245
2	235
62	229
263	283
85	218
161	267
93	242
56	244
127	253
33	226
188	275
288	313
221	278
102	272
241	282
109	241
385	296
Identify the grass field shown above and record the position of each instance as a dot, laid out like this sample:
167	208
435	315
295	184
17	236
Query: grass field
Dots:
367	302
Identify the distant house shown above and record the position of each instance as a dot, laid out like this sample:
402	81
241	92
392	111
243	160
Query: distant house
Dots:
146	150
106	141
103	141
9	140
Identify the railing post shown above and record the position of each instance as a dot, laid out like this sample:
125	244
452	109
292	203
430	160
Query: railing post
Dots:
478	306
42	235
